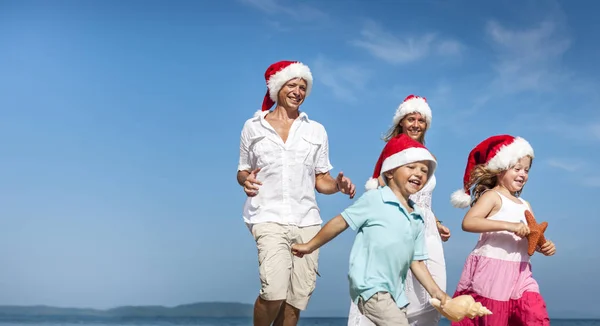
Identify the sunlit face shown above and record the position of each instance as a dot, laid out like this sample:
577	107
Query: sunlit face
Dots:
409	178
514	179
292	94
414	126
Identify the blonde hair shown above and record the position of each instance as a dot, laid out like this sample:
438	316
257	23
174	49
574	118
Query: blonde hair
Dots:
483	179
397	130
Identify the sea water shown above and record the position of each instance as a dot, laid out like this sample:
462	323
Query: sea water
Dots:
78	321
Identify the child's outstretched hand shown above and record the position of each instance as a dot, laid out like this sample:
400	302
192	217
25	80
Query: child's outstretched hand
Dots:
548	248
442	296
520	229
301	249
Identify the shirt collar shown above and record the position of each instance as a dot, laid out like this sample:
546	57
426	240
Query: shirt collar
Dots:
261	115
388	196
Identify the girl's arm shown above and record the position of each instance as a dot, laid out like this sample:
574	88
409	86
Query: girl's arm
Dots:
476	218
331	230
548	248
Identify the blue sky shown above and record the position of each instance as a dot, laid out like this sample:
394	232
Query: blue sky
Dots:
120	126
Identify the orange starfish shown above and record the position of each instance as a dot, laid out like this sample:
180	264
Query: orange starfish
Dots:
536	232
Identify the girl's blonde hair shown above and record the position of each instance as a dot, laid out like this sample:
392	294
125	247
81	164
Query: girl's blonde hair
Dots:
483	179
397	130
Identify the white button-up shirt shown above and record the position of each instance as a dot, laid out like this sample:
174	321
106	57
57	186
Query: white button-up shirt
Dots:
288	170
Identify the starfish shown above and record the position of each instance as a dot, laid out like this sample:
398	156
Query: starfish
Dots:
536	233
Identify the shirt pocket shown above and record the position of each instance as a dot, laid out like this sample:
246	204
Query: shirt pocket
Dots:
308	151
264	151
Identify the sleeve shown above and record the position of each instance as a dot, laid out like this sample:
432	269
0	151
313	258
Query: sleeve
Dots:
357	214
420	248
322	163
244	161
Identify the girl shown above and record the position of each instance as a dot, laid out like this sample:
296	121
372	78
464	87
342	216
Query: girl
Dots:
497	273
413	118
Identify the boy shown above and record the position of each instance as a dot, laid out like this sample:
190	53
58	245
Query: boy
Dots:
389	236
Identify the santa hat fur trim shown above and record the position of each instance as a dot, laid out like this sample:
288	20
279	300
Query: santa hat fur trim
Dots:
413	104
280	73
294	70
497	153
398	151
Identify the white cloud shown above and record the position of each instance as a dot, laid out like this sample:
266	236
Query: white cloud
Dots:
582	131
569	165
449	48
293	9
577	167
528	59
343	79
395	50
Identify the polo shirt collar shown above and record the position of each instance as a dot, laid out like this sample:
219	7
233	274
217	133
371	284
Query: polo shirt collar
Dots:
388	196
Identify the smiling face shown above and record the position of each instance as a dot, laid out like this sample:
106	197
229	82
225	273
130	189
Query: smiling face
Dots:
414	126
514	179
292	94
409	178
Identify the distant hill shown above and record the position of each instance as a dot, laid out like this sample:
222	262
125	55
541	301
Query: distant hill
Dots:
201	309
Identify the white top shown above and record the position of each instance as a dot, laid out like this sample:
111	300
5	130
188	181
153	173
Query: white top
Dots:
288	170
423	200
505	245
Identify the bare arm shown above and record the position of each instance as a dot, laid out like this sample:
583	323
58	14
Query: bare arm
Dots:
476	218
326	184
331	230
420	271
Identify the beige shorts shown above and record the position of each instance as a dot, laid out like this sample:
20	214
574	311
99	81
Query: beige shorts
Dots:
284	276
382	310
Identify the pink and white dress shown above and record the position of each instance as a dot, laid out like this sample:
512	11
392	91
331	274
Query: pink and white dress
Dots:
497	273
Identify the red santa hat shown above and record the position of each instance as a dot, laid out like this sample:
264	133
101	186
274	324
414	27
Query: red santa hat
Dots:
398	151
497	153
280	73
413	104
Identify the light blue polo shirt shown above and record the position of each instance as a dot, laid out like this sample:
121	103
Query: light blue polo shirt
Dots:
388	239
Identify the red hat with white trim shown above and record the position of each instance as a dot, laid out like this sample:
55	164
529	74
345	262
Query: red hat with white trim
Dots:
497	153
280	73
413	104
398	151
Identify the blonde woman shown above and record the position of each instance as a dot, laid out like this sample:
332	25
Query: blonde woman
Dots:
413	118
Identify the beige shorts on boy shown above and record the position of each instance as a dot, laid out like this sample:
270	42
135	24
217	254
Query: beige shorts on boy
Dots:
284	276
382	310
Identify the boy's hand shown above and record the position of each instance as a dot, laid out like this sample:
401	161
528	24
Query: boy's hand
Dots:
302	249
548	248
520	229
442	296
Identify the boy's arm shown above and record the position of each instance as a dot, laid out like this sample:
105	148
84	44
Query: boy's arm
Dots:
331	230
420	271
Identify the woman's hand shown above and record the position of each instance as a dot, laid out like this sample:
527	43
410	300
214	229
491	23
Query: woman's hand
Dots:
443	231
